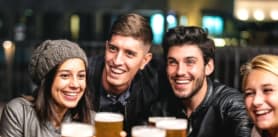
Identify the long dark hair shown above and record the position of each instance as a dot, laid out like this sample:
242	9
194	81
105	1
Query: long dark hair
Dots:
44	103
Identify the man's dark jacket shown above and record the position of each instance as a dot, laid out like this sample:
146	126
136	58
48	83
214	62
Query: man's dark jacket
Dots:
221	114
143	92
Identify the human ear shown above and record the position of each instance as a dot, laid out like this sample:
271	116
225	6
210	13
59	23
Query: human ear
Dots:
209	67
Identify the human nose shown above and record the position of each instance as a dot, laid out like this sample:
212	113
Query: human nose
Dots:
181	69
118	59
74	82
258	100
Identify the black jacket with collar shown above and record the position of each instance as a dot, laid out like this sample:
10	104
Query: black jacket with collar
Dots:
222	113
143	92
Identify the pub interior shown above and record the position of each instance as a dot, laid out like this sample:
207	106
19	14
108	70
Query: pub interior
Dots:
238	36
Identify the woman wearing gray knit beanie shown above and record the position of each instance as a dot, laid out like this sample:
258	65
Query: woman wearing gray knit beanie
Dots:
59	68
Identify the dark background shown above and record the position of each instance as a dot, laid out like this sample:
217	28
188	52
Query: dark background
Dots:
27	22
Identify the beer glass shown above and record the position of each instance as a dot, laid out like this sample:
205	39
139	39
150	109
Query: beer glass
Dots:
152	120
108	124
173	127
147	131
75	129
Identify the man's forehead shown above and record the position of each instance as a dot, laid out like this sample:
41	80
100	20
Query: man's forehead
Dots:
185	51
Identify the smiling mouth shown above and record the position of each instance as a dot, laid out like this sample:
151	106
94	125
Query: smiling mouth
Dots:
70	95
182	81
262	112
117	71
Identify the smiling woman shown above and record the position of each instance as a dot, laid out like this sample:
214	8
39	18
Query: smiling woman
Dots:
58	68
260	86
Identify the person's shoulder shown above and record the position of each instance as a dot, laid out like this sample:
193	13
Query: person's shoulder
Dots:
149	72
17	104
220	88
19	101
227	97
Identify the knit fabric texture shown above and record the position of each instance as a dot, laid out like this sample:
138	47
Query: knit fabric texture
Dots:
51	53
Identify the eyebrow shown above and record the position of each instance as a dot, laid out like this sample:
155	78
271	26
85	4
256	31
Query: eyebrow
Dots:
189	57
110	44
267	84
68	70
264	85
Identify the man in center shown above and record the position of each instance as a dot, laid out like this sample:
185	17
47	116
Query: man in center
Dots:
122	80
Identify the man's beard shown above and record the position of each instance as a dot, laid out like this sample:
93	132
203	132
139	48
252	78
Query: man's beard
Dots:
196	88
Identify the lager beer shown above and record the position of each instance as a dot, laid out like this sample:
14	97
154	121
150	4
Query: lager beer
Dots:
173	127
75	129
147	131
108	124
153	120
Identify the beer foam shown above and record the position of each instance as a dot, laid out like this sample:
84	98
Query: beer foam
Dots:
145	131
155	119
172	124
77	129
108	117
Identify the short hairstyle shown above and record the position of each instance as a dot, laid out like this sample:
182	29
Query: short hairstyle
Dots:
133	25
181	35
267	62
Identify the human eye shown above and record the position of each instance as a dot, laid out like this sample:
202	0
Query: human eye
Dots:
64	75
171	62
190	61
248	93
268	90
130	53
82	76
112	48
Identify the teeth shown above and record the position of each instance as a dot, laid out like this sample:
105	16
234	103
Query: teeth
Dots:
182	81
71	93
118	71
260	112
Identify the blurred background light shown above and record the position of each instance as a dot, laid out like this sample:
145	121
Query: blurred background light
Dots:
183	20
256	10
219	42
171	21
214	24
242	14
9	50
274	14
259	15
75	26
157	25
7	44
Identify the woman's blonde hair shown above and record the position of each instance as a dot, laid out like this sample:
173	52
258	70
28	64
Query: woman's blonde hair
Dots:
266	62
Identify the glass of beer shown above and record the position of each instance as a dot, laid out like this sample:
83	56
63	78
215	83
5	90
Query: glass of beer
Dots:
108	124
154	119
75	129
173	127
147	131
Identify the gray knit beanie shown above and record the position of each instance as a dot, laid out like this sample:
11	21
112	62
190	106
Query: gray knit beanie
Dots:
51	53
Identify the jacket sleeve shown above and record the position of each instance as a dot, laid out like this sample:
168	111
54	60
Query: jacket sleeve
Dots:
234	111
11	120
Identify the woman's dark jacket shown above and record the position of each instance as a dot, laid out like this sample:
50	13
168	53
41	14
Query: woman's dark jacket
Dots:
221	114
143	92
